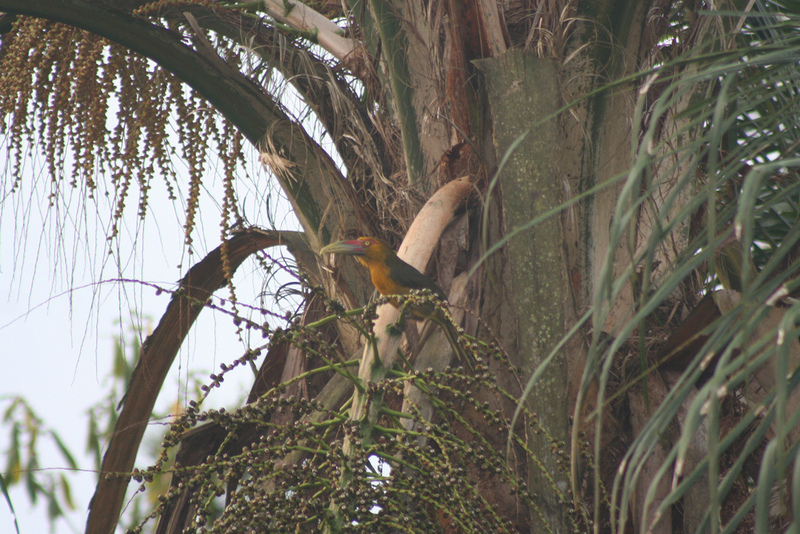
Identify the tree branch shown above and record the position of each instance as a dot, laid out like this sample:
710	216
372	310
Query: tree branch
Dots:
156	357
301	17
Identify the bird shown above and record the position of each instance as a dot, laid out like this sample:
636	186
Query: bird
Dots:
393	277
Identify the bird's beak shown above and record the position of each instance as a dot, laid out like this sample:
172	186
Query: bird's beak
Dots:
350	248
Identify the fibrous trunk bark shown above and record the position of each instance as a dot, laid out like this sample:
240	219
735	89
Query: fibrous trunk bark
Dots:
523	97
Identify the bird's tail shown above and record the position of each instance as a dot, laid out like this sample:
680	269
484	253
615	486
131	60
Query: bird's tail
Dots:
452	334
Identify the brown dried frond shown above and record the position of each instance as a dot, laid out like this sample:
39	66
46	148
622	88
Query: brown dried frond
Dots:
271	157
541	25
674	28
367	151
156	7
332	9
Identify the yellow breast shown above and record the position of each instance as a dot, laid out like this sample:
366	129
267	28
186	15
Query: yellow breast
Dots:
381	279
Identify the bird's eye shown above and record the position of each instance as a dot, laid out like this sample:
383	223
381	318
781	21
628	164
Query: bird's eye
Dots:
367	243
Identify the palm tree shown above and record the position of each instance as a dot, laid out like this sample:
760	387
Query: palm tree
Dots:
607	192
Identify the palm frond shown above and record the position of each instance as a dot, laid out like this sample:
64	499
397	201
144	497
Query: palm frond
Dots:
721	208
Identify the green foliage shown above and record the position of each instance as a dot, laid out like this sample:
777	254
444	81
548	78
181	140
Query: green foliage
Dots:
27	435
710	199
7	497
283	462
732	154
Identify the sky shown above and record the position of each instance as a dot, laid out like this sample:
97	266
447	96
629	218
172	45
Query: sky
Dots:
61	309
62	306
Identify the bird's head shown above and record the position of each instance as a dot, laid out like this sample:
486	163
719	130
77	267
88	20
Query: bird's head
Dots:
365	249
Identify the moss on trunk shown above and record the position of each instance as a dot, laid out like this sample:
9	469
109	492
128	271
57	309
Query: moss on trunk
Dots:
523	94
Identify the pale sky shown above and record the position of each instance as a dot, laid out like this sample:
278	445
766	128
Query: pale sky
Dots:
57	324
